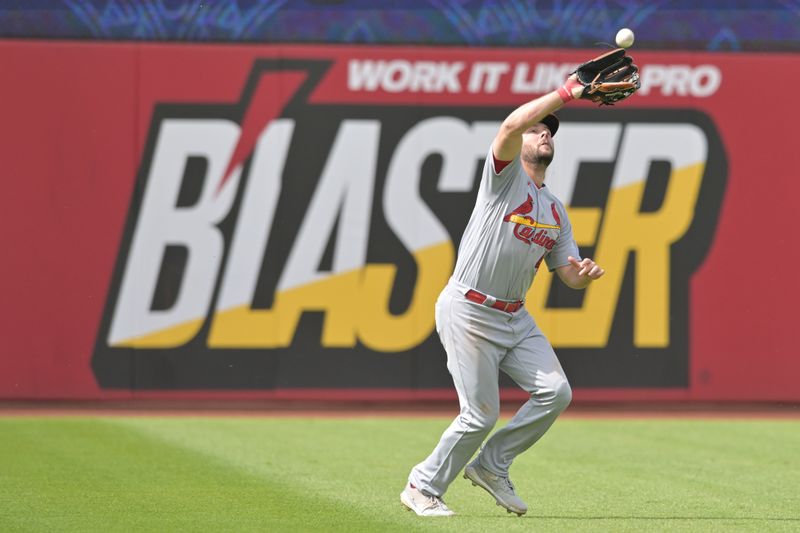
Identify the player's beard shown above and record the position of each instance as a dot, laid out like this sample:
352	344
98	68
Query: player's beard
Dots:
537	156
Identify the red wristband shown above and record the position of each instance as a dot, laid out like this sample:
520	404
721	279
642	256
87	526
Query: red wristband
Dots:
565	94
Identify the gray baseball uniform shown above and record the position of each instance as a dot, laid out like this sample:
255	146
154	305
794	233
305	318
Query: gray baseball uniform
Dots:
484	328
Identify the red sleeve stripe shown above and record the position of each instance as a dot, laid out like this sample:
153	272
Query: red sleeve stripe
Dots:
499	164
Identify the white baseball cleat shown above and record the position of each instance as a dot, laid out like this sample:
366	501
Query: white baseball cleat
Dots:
498	486
422	504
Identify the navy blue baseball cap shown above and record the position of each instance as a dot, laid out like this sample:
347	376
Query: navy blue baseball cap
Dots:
551	121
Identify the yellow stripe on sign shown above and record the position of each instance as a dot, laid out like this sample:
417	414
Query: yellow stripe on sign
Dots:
171	337
356	307
525	222
355	304
626	233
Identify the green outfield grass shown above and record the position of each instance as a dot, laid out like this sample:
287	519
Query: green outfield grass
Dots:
322	474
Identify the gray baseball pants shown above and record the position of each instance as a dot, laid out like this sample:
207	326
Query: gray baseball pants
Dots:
480	341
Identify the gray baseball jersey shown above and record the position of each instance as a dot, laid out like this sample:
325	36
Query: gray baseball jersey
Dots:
513	226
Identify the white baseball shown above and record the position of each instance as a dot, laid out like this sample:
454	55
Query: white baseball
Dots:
625	38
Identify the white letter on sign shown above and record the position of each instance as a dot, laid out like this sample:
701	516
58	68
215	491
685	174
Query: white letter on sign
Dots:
161	224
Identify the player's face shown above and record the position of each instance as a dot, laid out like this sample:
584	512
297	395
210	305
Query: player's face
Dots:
537	145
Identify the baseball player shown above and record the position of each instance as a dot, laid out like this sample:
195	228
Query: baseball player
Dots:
481	318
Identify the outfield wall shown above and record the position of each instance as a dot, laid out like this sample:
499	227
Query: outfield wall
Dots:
231	221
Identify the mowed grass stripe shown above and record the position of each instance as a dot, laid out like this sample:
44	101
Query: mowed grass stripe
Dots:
706	475
318	474
95	474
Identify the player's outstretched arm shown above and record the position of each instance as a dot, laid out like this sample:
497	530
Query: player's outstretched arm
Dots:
578	274
605	80
508	142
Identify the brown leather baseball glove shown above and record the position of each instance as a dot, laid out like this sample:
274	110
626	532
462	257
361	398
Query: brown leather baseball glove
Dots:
608	78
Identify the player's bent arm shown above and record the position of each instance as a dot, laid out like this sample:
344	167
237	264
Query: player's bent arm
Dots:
579	274
508	142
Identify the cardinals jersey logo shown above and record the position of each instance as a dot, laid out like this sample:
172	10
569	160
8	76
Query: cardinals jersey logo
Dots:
525	226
